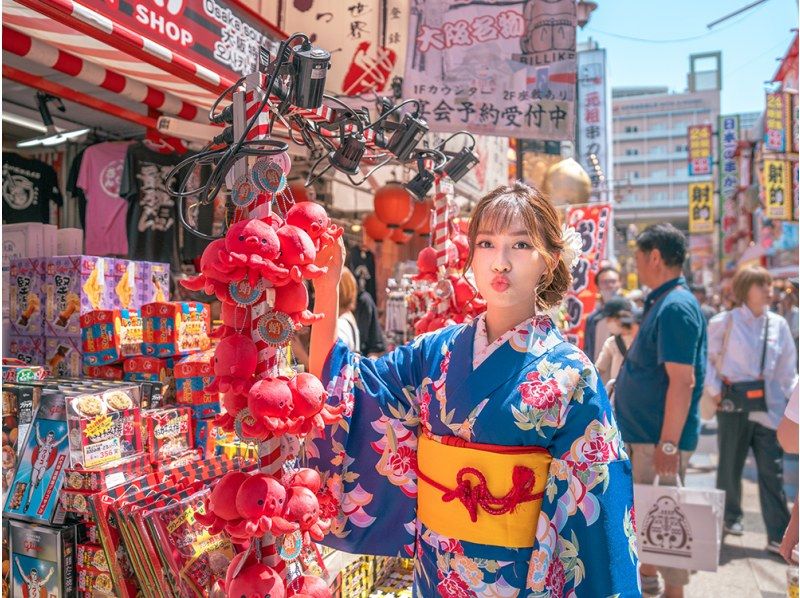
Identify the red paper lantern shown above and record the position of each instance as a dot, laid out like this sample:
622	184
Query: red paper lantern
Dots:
375	228
400	236
393	205
421	213
424	229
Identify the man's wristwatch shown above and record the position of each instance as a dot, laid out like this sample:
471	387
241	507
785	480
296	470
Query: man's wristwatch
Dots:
668	448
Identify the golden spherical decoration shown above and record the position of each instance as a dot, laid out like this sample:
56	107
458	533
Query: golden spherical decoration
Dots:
566	182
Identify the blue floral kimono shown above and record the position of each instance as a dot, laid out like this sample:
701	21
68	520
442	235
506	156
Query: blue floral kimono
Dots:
534	389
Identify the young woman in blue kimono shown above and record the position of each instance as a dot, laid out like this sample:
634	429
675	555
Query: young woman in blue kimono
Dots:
488	452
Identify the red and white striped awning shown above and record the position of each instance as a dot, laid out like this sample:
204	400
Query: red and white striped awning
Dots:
198	87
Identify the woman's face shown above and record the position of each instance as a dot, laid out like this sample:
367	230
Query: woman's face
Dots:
614	327
759	296
507	268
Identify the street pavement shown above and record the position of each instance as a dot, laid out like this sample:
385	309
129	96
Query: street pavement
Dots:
746	569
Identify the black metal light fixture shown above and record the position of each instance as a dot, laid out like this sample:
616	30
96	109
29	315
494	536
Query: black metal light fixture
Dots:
348	155
460	164
406	137
54	136
310	66
421	184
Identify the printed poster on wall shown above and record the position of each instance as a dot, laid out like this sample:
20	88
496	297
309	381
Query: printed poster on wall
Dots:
777	190
728	181
366	38
591	223
775	122
701	207
496	68
699	149
592	118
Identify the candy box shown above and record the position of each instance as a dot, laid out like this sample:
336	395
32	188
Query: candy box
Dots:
193	374
75	285
91	556
16	371
29	349
25	296
178	328
204	436
169	432
18	410
42	560
126	280
104	425
105	372
101	337
209	410
110	475
94	581
155	278
64	356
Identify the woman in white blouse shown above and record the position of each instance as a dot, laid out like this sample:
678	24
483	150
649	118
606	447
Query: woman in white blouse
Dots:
346	325
736	341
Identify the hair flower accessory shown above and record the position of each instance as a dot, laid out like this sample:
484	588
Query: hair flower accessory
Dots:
572	246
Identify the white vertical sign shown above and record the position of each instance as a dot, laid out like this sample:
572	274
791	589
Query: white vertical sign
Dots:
593	137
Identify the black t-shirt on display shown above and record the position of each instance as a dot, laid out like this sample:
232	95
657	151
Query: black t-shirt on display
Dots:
74	190
362	264
152	215
28	188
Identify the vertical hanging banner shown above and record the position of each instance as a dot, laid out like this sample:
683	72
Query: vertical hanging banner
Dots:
728	182
777	190
699	149
366	37
591	224
505	69
701	207
592	118
776	124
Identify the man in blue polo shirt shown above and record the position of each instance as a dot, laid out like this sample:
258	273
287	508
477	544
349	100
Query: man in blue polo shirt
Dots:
659	386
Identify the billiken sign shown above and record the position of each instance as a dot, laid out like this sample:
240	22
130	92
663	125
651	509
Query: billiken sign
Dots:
220	35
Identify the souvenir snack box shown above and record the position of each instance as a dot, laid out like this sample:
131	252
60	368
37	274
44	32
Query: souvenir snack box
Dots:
126	279
193	374
18	409
155	278
63	356
104	372
179	328
15	370
154	371
169	432
28	349
25	296
104	424
42	560
33	494
107	336
75	285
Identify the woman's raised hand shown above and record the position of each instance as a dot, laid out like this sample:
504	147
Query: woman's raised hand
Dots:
332	256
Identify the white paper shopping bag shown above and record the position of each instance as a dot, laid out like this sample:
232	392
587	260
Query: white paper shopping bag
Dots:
679	527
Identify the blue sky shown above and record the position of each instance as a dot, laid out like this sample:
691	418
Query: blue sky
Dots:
750	43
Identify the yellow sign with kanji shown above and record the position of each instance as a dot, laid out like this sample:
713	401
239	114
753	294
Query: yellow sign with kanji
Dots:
700	149
701	207
777	190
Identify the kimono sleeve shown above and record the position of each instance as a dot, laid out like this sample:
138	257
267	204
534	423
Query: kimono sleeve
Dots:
366	460
586	539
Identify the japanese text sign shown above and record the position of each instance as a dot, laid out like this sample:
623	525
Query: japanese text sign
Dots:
699	149
701	207
592	118
497	69
777	190
775	125
219	35
591	223
728	180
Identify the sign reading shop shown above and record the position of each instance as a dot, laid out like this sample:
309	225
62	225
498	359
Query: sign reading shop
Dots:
217	34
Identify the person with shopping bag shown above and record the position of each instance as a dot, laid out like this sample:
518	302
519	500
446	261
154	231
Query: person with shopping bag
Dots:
658	389
752	367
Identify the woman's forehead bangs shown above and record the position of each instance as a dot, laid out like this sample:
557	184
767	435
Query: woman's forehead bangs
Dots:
505	212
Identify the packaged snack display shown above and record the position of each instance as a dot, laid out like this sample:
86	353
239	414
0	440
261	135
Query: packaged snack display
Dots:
101	478
169	432
91	556
28	349
18	410
155	282
101	337
25	296
126	279
42	560
15	370
158	372
104	425
105	372
63	356
193	374
74	285
40	474
179	328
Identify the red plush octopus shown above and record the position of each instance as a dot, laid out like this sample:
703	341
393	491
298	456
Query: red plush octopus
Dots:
213	273
298	253
292	299
308	585
235	319
270	402
253	244
314	220
309	407
252	579
260	503
235	360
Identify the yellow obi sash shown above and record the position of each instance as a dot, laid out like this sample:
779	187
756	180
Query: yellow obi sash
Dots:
481	493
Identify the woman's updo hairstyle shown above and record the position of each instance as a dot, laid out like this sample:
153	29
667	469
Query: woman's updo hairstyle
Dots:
519	203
